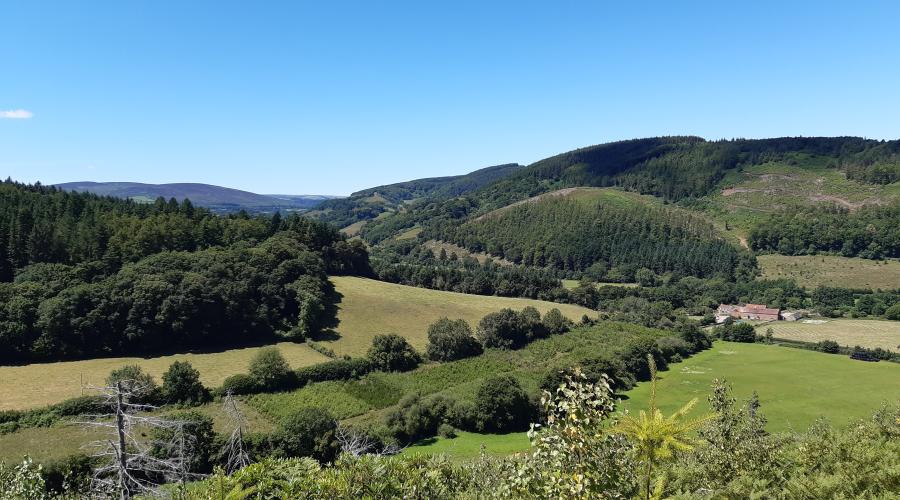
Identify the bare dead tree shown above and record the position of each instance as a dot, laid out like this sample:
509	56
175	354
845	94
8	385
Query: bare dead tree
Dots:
357	443
236	455
133	464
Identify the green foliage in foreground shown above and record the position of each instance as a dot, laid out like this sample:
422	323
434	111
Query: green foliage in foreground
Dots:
576	456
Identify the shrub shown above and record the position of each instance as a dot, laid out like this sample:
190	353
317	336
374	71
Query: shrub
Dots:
133	379
416	418
502	329
338	369
530	323
81	405
634	356
669	347
592	370
310	432
449	340
555	323
693	335
72	474
893	312
829	346
737	332
198	441
240	383
392	353
270	370
501	405
181	385
447	431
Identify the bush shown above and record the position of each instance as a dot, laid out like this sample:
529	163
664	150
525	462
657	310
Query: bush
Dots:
72	474
240	383
737	332
829	346
669	347
133	379
338	369
392	353
501	405
310	432
893	312
81	405
620	378
692	334
502	329
447	431
181	385
555	323
271	371
634	356
416	418
449	340
198	441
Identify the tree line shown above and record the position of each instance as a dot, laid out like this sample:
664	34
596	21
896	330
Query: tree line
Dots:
870	232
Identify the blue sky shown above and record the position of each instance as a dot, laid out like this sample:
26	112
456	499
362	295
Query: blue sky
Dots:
331	97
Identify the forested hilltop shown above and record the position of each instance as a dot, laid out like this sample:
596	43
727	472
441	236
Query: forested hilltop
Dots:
705	203
83	275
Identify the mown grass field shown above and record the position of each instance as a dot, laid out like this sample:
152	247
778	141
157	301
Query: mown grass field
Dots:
40	384
846	332
795	386
371	307
829	270
470	445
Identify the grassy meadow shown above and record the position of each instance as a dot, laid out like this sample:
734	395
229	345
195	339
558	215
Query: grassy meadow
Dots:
795	386
829	270
40	384
846	332
468	445
371	307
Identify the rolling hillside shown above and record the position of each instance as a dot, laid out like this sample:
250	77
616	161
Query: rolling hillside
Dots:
731	188
378	201
370	307
205	195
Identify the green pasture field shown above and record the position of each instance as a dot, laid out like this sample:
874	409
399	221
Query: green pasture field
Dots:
846	332
467	445
371	307
829	270
795	386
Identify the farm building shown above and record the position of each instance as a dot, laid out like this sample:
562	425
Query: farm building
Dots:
748	311
792	315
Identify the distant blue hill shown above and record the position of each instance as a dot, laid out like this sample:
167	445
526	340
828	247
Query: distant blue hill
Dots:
214	197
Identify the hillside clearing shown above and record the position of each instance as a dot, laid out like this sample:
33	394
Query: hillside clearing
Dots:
800	180
795	386
846	332
40	384
371	307
829	270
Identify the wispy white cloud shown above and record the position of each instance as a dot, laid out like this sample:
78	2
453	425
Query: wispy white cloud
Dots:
16	114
